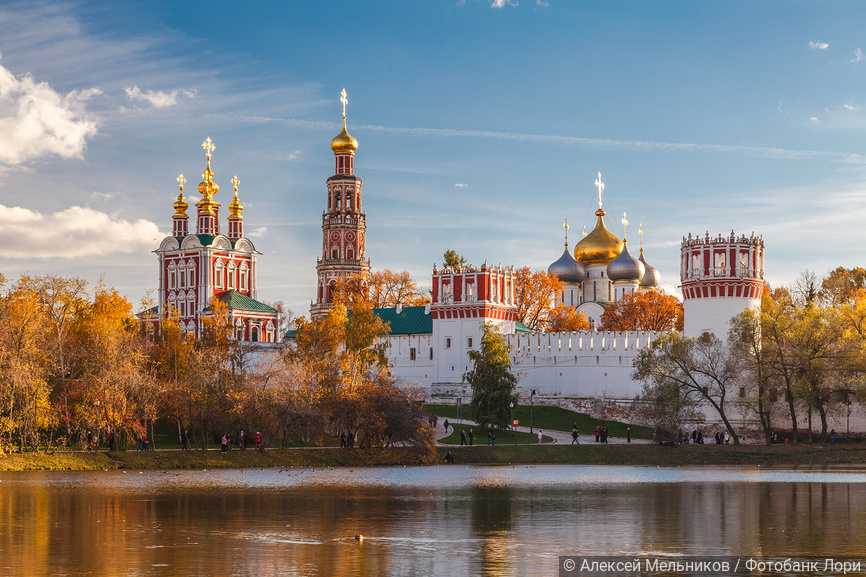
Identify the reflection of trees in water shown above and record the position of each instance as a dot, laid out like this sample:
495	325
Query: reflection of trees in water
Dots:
493	509
752	518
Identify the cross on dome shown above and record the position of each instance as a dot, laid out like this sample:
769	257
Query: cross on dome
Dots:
624	226
208	146
565	226
181	181
640	232
345	101
235	182
600	186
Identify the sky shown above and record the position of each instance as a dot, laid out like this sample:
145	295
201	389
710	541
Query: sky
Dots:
482	125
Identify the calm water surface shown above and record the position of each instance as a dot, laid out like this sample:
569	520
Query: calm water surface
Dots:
452	521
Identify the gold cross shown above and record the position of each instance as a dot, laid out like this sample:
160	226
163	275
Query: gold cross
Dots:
640	232
600	186
208	147
344	100
565	226
624	225
181	181
235	182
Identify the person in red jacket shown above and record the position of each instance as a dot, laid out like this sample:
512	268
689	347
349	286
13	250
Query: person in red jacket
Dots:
597	433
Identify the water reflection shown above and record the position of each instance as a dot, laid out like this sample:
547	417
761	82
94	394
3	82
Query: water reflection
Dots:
436	520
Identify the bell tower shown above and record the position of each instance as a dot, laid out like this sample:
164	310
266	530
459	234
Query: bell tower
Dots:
343	223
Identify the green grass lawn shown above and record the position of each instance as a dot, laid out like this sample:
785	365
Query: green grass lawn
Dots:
502	437
553	418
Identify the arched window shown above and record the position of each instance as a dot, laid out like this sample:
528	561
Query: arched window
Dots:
230	282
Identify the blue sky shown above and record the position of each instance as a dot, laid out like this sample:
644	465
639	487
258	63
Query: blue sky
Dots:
480	128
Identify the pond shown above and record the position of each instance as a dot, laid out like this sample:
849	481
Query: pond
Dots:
445	520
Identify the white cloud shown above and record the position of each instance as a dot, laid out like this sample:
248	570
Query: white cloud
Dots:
158	98
258	232
293	156
461	185
814	119
542	3
72	233
858	56
851	107
502	3
818	45
102	195
36	121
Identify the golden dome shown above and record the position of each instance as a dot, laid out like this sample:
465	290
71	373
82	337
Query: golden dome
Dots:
208	186
180	206
235	207
344	143
598	247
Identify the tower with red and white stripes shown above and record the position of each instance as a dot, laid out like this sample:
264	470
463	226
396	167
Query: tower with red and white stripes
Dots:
721	277
343	223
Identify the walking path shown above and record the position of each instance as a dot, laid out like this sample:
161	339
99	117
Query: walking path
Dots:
559	437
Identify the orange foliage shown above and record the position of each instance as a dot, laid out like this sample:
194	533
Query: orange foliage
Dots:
381	288
566	318
537	295
648	311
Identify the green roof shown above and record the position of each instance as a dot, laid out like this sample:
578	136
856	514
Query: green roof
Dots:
410	321
237	302
519	327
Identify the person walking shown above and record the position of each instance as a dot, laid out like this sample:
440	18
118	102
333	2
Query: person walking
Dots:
471	437
597	433
224	444
488	438
242	441
145	443
184	441
573	436
446	425
628	434
462	437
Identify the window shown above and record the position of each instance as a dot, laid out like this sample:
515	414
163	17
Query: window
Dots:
254	335
218	275
742	392
182	279
448	342
243	274
335	254
469	342
470	293
191	276
182	309
411	354
431	353
231	276
171	279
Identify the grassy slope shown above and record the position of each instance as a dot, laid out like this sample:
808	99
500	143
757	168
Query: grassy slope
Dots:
552	418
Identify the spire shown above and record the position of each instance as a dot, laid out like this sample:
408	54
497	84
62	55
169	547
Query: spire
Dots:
207	207
180	218
565	226
624	227
236	221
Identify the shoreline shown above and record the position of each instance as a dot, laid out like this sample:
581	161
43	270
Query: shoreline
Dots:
586	454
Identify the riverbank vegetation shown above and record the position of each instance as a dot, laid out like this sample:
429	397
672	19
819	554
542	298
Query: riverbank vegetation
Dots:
802	353
78	368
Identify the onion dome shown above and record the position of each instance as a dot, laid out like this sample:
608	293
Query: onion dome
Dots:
344	143
625	267
598	247
567	269
651	277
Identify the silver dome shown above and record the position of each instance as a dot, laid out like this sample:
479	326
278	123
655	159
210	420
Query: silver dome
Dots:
625	267
651	277
567	269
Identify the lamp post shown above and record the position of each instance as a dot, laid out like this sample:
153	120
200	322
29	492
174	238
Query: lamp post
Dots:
848	395
531	403
511	405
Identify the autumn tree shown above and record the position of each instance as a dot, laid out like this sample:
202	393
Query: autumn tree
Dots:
536	294
701	369
841	285
567	318
493	383
644	311
388	289
453	260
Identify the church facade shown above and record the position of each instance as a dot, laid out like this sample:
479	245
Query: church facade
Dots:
201	268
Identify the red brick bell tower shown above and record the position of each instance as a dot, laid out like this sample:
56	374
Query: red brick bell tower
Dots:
343	223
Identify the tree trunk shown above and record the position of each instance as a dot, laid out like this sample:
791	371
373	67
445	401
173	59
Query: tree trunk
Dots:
793	410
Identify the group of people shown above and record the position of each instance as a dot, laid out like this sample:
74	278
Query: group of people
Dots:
601	434
226	441
347	441
464	435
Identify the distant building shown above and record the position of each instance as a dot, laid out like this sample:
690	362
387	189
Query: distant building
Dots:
196	268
